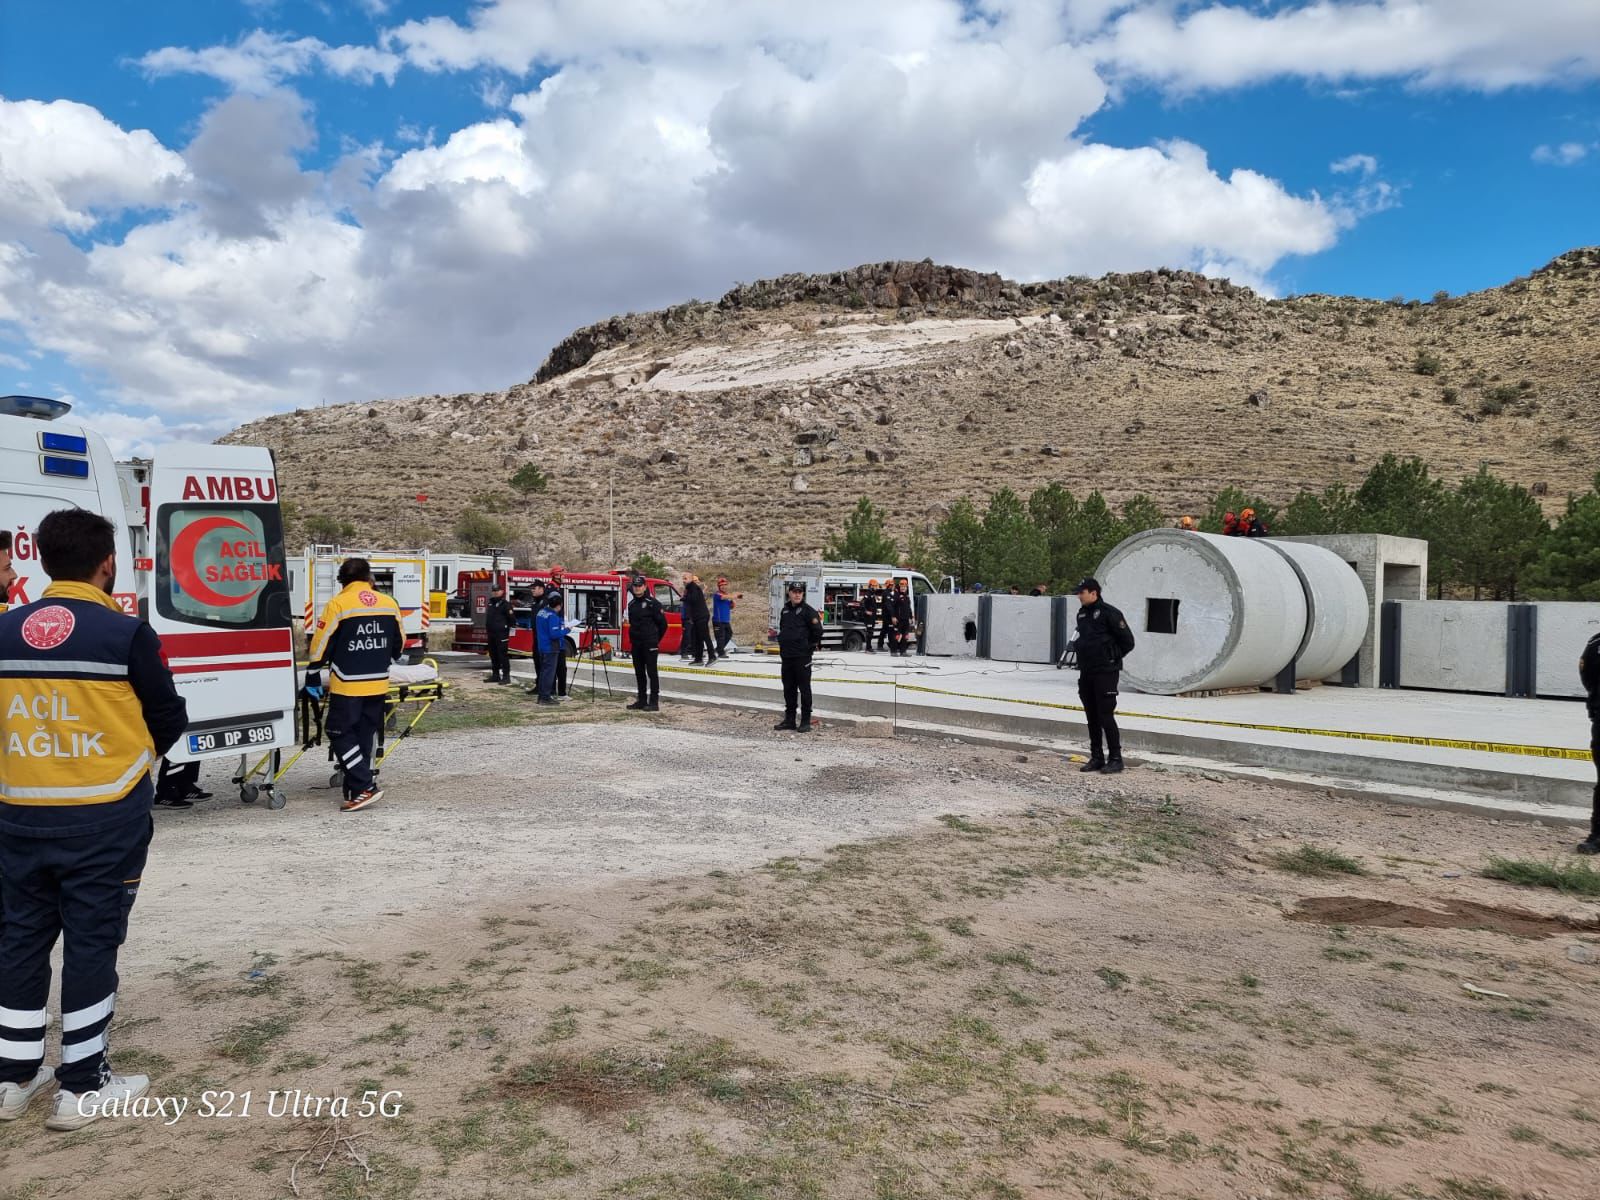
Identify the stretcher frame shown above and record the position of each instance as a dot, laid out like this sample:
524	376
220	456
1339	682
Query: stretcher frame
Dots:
260	780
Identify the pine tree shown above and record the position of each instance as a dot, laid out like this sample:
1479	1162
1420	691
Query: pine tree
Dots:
1568	567
1495	531
863	539
960	540
1014	551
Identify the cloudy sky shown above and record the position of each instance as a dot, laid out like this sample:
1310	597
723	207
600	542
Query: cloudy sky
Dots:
210	211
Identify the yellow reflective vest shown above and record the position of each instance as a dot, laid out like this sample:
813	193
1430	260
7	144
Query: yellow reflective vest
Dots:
357	638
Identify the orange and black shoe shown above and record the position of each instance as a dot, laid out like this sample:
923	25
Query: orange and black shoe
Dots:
355	803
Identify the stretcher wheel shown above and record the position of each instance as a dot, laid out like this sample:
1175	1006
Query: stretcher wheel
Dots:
276	799
336	779
248	792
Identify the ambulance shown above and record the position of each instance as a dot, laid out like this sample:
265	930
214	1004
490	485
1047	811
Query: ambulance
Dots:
199	543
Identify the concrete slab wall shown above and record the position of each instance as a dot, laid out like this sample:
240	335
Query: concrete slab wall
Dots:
1019	629
952	625
1390	568
1562	630
1454	645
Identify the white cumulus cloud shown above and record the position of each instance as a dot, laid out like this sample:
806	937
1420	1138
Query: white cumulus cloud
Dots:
1564	155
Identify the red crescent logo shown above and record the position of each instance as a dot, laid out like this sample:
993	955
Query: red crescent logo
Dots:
185	549
367	598
49	627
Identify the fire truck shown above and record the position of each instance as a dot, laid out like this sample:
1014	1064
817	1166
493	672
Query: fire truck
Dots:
199	543
595	610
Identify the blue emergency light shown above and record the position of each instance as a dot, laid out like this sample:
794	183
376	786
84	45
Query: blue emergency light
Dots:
64	443
71	468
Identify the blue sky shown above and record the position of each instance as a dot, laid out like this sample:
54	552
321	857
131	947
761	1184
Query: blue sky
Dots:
211	211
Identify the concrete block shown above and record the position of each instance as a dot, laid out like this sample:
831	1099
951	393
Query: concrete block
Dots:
1562	630
1454	645
1019	629
952	625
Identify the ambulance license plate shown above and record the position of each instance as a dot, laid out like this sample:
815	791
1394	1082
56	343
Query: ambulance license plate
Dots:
230	739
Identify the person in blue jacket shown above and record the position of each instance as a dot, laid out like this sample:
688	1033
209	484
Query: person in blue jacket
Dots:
550	636
722	602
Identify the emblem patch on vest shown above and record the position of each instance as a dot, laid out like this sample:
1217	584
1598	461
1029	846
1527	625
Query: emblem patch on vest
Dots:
49	627
367	598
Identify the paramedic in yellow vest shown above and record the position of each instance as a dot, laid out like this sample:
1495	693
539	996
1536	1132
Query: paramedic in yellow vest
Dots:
87	705
357	638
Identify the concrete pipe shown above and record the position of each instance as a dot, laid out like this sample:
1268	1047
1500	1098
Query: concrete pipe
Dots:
1336	609
1207	612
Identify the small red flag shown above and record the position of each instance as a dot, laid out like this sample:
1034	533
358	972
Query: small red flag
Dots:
422	497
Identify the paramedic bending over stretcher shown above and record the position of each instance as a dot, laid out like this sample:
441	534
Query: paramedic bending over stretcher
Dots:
356	640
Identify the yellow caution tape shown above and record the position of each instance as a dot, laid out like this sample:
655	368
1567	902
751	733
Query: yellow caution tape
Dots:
1563	753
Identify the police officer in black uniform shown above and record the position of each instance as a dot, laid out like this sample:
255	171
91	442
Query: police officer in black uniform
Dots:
498	622
1589	672
647	625
87	705
799	636
1102	641
697	622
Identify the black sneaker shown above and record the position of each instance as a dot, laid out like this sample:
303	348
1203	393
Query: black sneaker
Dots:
638	704
1590	846
1094	764
804	726
173	802
653	706
786	723
1112	767
196	793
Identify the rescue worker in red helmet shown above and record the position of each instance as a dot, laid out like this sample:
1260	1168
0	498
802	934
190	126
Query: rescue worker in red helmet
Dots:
1230	525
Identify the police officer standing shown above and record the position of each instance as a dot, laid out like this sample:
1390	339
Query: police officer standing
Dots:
1103	640
497	624
356	640
697	621
647	625
88	705
799	635
1589	673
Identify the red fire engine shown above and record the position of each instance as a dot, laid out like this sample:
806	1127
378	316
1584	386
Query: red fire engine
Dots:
596	608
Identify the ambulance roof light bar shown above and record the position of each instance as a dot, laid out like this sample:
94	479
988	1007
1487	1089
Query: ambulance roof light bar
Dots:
41	408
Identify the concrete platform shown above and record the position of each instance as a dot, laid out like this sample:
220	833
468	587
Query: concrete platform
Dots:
1526	756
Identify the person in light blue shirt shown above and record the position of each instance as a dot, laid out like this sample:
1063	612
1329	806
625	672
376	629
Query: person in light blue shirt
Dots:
550	634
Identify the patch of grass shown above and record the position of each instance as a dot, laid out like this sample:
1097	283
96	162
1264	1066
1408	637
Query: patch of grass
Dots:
960	824
1571	878
1111	977
960	926
1316	861
249	1041
1476	1188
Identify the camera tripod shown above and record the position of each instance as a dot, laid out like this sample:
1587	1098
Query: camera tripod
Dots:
592	625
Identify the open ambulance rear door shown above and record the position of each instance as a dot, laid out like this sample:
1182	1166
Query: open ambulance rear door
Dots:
219	597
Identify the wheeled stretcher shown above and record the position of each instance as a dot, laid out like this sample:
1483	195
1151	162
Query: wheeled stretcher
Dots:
418	685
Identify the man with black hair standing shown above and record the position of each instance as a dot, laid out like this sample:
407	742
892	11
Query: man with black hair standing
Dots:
1102	641
357	638
647	625
885	615
697	620
88	706
497	624
799	636
1589	673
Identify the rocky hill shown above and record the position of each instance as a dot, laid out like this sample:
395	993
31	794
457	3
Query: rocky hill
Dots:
743	429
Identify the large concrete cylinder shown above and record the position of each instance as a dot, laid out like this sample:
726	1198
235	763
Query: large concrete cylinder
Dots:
1336	609
1207	612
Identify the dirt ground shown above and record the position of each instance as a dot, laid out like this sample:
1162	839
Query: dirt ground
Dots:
591	954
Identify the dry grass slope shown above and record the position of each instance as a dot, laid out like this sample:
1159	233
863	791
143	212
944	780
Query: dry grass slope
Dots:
743	429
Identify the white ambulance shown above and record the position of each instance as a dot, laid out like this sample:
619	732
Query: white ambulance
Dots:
199	555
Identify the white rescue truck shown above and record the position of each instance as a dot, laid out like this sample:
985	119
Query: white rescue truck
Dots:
403	575
834	589
199	555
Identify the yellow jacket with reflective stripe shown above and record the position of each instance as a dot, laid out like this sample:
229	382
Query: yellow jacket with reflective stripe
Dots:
357	638
72	728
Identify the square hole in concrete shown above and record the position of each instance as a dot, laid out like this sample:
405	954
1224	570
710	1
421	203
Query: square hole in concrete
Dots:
1160	616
